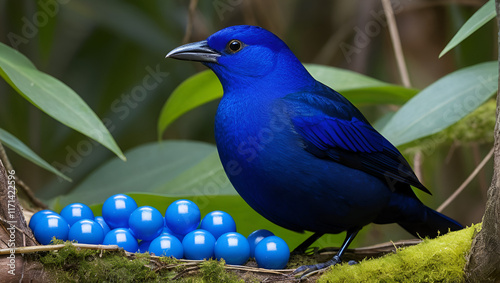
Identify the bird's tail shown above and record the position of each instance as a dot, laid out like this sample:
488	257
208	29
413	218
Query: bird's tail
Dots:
433	225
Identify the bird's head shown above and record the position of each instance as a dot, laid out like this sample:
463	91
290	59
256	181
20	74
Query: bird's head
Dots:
244	55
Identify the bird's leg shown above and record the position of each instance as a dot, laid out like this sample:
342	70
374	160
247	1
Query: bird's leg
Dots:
300	249
336	259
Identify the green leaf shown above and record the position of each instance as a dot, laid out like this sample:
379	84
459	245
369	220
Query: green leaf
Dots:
175	168
193	92
20	148
443	103
359	89
481	17
53	97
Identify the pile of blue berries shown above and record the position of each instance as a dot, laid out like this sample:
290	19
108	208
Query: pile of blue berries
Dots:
179	234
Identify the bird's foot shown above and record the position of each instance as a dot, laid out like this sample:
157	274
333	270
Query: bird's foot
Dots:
308	270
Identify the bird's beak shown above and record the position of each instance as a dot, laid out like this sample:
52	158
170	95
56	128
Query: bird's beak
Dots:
196	51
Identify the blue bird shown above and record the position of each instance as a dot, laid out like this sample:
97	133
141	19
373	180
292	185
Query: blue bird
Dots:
300	153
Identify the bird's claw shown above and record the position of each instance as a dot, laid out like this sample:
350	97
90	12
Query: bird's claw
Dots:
307	270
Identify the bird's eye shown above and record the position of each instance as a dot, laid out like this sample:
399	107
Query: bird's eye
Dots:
234	46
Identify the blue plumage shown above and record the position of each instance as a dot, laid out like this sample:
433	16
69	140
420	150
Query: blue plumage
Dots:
300	153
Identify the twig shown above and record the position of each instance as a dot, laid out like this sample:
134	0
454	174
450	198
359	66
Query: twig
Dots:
189	26
375	249
396	42
185	271
5	158
46	248
466	182
258	270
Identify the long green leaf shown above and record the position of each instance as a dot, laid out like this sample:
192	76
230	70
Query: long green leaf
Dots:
443	103
169	167
18	146
359	89
53	97
481	17
193	92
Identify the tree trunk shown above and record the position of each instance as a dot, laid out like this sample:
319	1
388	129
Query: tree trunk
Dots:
14	232
483	263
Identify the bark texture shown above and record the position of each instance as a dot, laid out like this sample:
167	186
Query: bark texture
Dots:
14	233
483	262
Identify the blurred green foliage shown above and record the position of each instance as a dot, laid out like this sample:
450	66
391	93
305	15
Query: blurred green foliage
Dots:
111	53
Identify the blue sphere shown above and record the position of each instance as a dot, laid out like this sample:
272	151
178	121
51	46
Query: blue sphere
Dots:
86	232
39	215
146	223
198	244
117	209
103	224
255	237
272	253
52	225
218	223
167	230
75	212
166	245
144	246
182	216
122	238
233	248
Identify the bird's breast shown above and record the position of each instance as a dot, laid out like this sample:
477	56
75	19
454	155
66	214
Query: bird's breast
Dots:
246	131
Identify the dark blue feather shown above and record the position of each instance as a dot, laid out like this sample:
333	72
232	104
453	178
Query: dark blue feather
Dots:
347	138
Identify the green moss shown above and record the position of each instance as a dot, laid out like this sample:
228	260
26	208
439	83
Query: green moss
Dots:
70	264
434	260
213	271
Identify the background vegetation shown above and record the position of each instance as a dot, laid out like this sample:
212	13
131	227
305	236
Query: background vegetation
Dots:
112	54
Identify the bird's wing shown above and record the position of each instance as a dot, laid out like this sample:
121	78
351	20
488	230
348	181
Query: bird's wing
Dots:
331	127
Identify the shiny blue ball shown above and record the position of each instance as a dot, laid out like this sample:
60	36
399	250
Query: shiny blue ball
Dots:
144	246
117	209
182	216
272	253
122	238
166	245
75	212
39	215
198	244
104	225
255	237
167	230
218	223
52	225
233	248
146	223
86	232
